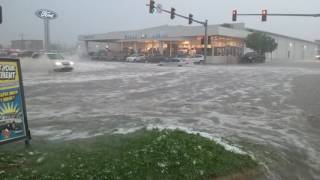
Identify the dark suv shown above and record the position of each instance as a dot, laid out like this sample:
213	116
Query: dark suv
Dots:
103	56
155	58
253	57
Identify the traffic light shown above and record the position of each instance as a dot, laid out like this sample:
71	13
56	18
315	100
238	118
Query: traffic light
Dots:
173	13
190	18
0	14
234	15
151	6
264	15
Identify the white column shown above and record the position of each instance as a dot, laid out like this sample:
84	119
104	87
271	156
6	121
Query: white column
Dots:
161	47
135	47
121	47
170	49
86	44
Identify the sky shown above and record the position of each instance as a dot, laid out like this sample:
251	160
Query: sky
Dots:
77	17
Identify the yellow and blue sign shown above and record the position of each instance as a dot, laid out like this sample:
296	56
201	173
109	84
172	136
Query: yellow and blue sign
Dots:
13	117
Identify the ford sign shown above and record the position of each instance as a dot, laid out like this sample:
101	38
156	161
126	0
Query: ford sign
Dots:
46	14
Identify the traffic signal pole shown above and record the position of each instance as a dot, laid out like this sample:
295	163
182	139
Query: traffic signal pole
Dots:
206	40
173	13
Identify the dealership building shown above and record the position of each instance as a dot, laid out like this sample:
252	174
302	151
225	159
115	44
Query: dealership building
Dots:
226	42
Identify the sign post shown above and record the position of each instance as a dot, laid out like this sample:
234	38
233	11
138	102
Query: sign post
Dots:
46	15
13	114
46	34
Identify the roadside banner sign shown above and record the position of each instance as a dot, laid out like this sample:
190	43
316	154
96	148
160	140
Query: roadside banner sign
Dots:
13	116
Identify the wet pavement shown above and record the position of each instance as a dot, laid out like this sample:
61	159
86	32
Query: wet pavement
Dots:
271	110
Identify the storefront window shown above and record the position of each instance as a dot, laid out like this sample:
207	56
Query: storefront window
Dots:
228	51
225	46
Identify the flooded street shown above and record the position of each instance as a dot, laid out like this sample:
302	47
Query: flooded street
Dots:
271	110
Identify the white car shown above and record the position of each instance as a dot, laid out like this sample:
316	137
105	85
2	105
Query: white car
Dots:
57	61
175	62
196	59
183	57
136	58
318	57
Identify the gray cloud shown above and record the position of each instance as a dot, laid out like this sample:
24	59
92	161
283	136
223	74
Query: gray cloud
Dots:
100	16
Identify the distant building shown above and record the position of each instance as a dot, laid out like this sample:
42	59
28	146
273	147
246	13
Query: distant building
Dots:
30	45
225	45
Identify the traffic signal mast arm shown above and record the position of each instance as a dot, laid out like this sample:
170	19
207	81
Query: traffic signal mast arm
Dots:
182	16
273	14
185	17
191	19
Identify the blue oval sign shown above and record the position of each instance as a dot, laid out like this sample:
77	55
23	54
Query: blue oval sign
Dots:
46	14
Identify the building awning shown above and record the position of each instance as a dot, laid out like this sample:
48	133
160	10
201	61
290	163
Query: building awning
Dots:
161	39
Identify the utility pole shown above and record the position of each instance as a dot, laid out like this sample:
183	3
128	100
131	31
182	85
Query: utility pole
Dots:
22	44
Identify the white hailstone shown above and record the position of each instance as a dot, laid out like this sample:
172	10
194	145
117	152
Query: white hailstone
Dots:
40	160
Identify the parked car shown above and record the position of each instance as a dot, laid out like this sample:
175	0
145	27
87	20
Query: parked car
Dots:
94	55
183	57
13	55
197	59
56	60
103	56
155	59
318	57
25	54
253	57
3	53
120	57
35	55
175	62
136	58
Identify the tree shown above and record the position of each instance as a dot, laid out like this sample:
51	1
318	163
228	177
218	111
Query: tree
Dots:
261	43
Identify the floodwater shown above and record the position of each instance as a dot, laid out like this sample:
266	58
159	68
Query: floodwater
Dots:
270	110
